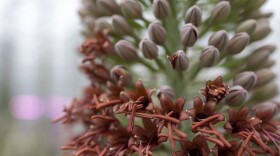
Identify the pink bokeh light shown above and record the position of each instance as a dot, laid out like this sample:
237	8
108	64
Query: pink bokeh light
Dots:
27	107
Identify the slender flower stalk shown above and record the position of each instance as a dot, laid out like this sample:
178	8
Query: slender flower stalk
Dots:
151	88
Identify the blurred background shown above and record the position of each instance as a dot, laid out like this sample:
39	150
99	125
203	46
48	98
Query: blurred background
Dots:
39	75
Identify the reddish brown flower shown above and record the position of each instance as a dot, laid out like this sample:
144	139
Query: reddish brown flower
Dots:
215	90
134	101
242	125
100	45
198	146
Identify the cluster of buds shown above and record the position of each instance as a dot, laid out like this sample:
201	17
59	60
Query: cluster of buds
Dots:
146	62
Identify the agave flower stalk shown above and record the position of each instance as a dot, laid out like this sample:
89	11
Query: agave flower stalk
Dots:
149	92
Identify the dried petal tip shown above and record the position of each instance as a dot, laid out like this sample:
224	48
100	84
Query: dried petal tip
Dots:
157	33
238	43
160	9
166	91
131	8
189	35
247	26
118	73
179	61
209	56
220	11
236	96
193	15
120	25
246	79
149	49
264	76
219	39
126	50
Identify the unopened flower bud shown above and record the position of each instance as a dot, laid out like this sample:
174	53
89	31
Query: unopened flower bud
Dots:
120	25
266	92
220	11
160	9
149	49
258	15
108	5
166	91
254	5
247	26
268	63
219	39
236	95
157	33
102	24
131	8
270	47
261	31
255	58
179	61
265	111
189	35
118	73
193	15
93	9
246	79
126	50
238	43
209	56
264	76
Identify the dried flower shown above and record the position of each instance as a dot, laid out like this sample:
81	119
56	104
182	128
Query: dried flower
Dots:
209	56
189	35
126	50
193	15
161	9
179	61
149	49
157	33
215	90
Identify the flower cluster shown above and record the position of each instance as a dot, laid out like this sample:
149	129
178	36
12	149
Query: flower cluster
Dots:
141	58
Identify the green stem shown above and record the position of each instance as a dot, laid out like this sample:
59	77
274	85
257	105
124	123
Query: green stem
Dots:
160	64
147	23
194	72
205	27
171	25
168	51
147	65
